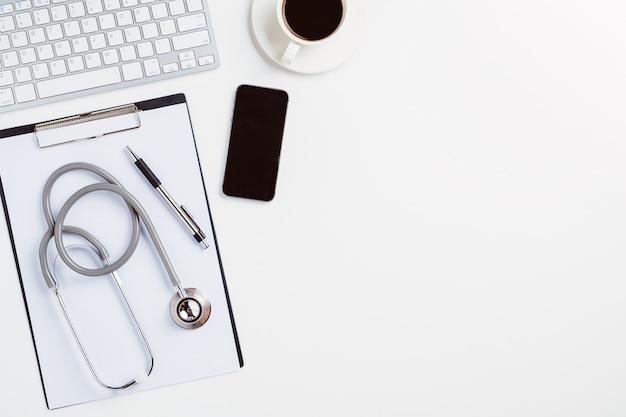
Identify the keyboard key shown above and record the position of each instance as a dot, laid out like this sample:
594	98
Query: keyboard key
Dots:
58	67
19	39
23	5
36	35
6	78
168	27
76	9
62	48
150	31
54	32
23	20
177	7
159	11
23	75
93	60
59	13
89	25
194	5
191	40
132	71
152	67
172	67
6	8
110	57
94	6
9	59
142	14
27	56
124	18
79	82
45	52
133	34
195	21
145	49
111	5
25	93
75	63
6	97
40	71
186	55
4	42
7	23
162	46
127	53
72	28
80	45
188	64
115	37
107	21
41	17
97	41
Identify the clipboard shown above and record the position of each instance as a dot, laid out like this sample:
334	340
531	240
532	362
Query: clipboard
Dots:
160	130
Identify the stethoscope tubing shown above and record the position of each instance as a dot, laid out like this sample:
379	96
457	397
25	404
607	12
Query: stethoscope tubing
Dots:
57	227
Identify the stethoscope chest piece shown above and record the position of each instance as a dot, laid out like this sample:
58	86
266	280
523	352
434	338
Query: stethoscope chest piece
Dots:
190	311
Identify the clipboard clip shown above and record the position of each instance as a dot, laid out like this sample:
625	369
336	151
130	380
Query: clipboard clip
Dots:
87	126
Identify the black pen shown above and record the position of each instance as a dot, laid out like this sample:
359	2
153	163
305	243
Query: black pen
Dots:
180	211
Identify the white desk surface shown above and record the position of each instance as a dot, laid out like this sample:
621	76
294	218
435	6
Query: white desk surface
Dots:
448	236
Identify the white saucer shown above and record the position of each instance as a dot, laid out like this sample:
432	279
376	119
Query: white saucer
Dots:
310	59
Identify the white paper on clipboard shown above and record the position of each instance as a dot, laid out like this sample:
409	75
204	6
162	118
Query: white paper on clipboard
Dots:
164	137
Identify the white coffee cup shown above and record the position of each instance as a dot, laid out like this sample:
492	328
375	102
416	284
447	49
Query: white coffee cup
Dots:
309	22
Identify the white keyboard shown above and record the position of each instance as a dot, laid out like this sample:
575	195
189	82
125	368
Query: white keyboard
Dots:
56	49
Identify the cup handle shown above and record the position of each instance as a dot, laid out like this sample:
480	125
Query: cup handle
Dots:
290	52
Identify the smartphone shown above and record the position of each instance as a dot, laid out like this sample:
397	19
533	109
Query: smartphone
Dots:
255	140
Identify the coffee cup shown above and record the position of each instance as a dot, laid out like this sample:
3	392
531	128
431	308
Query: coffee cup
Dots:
308	22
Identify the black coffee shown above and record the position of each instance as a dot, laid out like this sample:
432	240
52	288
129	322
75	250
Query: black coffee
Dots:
313	20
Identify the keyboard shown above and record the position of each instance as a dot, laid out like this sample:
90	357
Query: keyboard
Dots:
52	50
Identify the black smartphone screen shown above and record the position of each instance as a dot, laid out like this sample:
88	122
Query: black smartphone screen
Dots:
255	140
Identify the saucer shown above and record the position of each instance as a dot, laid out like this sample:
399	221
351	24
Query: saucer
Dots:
310	59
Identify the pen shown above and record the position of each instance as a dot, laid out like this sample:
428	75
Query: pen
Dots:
180	211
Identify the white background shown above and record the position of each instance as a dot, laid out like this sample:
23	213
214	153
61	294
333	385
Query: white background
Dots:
449	231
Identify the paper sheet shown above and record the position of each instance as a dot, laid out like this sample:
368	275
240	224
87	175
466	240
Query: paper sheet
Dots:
165	141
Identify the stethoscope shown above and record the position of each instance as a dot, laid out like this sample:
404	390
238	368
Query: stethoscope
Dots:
189	307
